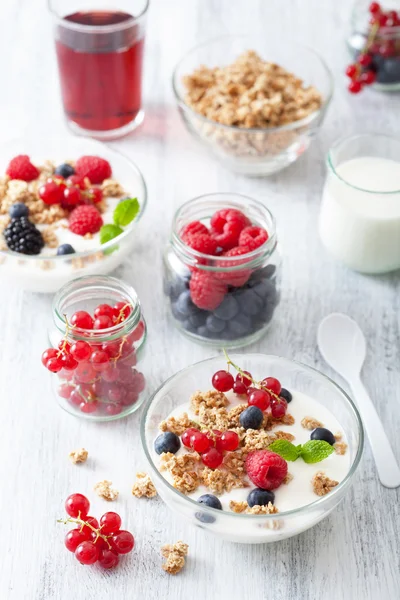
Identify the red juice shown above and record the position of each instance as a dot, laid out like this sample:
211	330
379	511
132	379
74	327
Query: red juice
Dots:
100	69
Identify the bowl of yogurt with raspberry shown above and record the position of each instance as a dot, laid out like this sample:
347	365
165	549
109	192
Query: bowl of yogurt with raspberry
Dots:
252	448
68	208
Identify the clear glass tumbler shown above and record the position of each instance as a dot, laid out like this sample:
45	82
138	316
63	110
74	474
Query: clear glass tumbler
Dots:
100	58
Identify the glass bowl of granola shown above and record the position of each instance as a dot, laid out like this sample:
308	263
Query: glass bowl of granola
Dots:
255	101
68	208
265	459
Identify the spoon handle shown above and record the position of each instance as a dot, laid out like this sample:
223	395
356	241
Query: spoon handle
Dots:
385	461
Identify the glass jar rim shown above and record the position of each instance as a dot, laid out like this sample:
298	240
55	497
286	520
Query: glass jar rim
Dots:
100	335
346	139
97	28
222	262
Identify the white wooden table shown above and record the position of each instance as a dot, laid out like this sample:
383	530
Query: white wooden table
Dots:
352	555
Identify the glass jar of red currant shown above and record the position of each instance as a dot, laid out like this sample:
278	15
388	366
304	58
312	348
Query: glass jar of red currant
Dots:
96	353
374	43
222	270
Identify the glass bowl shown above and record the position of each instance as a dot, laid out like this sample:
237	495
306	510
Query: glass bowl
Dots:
47	273
255	151
244	528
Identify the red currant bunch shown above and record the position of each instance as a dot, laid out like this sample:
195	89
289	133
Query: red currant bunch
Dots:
210	445
93	541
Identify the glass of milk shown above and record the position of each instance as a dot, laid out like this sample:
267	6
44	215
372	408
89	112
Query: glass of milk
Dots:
359	221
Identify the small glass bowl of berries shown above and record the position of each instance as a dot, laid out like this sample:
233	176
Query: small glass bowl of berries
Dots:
96	353
374	43
222	270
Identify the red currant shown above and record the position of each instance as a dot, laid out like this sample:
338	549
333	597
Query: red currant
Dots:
84	373
64	346
213	436
115	393
272	384
229	440
77	505
212	458
81	351
246	380
222	381
68	362
368	77
103	322
278	408
100	360
112	348
365	60
77	180
54	364
186	435
94	195
351	71
382	20
250	390
121	311
87	553
65	390
199	442
51	193
137	333
76	397
107	558
259	398
123	542
74	538
138	381
93	522
374	8
47	354
239	388
88	407
110	374
355	87
387	49
82	320
104	310
110	522
71	197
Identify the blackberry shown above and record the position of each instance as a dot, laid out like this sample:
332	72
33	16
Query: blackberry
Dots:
22	236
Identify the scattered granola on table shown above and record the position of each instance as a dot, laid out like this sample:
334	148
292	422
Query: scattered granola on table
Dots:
143	486
175	557
105	491
78	456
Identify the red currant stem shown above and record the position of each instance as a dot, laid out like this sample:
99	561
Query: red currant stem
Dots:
246	376
82	523
121	316
65	338
116	358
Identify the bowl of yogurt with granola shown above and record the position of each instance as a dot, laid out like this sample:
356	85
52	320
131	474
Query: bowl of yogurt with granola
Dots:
252	448
68	208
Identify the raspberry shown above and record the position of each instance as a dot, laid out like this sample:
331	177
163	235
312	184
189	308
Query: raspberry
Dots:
85	219
266	469
193	228
21	167
253	237
235	278
226	226
94	168
202	242
206	291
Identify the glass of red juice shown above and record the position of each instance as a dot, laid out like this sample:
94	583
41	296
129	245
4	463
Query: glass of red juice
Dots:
99	47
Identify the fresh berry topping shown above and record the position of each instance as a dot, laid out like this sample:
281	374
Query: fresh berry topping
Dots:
194	228
74	538
77	505
266	469
250	390
206	291
82	320
186	435
167	442
272	384
253	237
278	407
222	381
21	167
123	542
251	418
226	226
94	195
87	553
18	210
65	170
199	442
259	398
65	249
320	433
247	381
22	236
51	192
210	500
227	441
260	497
110	522
71	197
212	458
80	182
202	242
286	395
239	388
103	322
94	168
85	219
81	350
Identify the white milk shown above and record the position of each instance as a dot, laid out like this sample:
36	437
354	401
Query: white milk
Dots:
361	227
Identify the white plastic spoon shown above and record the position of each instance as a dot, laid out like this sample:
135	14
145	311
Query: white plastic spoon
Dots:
342	344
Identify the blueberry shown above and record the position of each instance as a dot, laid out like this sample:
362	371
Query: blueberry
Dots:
228	308
203	331
65	249
264	273
250	303
198	318
64	170
184	304
19	209
212	502
286	395
214	324
176	287
240	325
187	325
320	433
260	497
167	442
265	289
391	68
251	418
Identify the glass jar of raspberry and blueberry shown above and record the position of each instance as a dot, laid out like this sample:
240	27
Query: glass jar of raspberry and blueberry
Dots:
96	353
222	270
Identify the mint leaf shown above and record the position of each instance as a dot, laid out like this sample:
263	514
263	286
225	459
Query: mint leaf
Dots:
109	232
314	451
286	449
126	211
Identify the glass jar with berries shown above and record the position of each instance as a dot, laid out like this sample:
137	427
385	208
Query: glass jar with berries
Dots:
374	43
96	353
222	269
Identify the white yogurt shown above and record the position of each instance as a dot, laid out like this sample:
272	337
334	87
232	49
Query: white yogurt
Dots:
299	491
360	214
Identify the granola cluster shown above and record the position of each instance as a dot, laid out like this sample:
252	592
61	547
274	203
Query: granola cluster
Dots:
310	423
78	456
143	486
322	485
175	557
105	491
177	426
243	507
